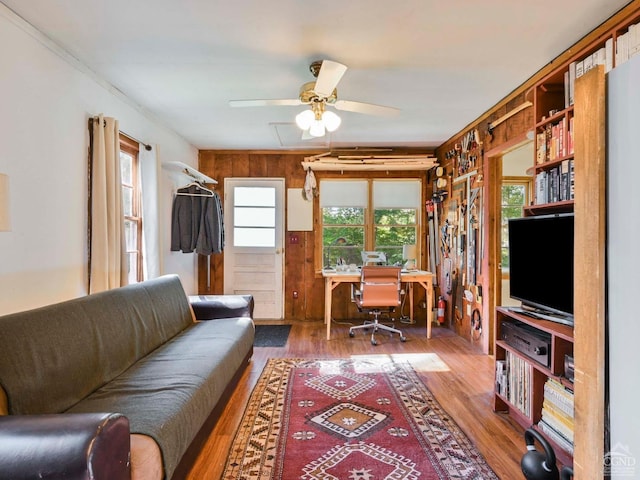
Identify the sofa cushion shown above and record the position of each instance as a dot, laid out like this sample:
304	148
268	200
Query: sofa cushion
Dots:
53	357
169	394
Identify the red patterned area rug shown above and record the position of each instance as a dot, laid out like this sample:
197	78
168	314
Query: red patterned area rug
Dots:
348	420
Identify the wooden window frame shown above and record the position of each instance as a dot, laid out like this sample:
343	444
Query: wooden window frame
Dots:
131	147
527	182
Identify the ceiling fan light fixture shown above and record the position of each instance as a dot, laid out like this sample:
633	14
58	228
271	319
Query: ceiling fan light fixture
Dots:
317	129
331	121
304	119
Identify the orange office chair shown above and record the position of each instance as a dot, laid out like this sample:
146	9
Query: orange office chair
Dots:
379	291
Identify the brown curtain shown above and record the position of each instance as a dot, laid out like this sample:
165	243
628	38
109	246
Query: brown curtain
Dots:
107	253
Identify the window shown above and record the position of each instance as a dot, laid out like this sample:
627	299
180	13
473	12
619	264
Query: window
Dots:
132	208
515	195
254	217
356	215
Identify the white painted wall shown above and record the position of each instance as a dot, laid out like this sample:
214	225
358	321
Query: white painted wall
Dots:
46	99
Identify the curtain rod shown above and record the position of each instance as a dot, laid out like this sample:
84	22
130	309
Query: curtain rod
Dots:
146	146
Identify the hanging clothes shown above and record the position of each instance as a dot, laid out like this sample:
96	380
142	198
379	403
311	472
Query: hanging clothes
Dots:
310	186
211	234
196	221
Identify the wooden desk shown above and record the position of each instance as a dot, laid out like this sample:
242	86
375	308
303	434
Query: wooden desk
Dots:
333	278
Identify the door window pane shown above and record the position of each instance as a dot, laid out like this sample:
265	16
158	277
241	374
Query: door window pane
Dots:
254	237
254	196
254	217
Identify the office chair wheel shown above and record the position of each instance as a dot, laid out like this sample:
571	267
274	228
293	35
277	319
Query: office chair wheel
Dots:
374	342
352	333
403	338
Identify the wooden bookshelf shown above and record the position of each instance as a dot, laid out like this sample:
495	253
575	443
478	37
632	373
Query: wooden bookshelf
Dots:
577	104
561	344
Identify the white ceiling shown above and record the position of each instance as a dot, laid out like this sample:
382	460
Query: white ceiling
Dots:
442	62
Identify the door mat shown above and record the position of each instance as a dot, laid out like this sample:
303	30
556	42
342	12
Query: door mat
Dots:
271	335
348	419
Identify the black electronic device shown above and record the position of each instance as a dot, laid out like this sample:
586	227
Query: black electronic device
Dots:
541	265
528	340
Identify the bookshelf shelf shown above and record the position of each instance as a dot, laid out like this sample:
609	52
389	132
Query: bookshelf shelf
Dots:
552	163
556	117
549	208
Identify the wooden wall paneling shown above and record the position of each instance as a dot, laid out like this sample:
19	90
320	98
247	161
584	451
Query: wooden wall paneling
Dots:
300	272
590	273
295	251
242	165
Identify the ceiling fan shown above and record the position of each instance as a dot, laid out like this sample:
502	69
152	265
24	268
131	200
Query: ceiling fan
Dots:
318	95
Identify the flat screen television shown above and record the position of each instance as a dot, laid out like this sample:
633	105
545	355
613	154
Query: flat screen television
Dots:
541	265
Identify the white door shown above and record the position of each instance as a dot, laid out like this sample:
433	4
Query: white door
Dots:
254	244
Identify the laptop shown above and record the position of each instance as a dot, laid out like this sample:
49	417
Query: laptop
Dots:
374	258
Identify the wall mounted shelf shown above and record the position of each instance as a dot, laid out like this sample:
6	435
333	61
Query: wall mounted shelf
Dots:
183	168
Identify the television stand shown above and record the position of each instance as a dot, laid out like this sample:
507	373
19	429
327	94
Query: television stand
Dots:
543	315
522	386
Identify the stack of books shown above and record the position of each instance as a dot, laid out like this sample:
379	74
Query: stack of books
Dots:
556	184
518	383
628	44
557	414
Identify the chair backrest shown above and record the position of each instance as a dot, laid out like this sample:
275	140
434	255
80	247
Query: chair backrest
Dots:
379	286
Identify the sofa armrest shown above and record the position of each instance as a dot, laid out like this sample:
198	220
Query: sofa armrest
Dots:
92	446
209	307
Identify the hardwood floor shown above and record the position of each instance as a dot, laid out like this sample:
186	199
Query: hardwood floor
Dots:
458	375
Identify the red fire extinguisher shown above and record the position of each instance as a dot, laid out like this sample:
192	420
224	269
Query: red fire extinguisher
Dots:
442	306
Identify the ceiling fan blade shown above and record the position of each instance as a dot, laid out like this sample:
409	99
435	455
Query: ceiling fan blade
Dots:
287	102
366	108
328	78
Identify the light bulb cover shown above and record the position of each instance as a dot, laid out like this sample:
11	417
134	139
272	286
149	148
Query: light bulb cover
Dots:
331	121
304	119
317	129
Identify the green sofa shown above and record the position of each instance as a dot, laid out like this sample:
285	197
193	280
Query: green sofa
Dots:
136	353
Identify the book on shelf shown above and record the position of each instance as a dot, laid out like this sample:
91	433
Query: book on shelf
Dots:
633	40
570	137
602	56
501	377
518	391
608	58
560	417
559	396
556	437
572	82
587	63
541	148
557	413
